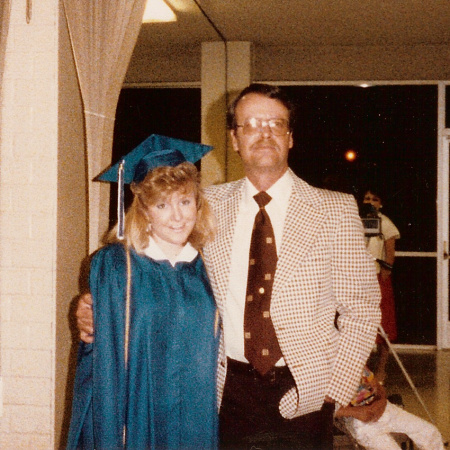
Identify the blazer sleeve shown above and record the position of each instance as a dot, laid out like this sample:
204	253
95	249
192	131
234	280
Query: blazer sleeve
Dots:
358	298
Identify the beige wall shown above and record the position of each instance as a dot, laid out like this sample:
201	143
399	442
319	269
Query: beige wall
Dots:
42	229
326	63
28	228
346	63
168	64
72	232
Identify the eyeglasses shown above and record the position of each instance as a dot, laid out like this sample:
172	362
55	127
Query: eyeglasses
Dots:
279	127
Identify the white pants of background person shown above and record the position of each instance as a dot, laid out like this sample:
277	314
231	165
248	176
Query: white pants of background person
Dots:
377	435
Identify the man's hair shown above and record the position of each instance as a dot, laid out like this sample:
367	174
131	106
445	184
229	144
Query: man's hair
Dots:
267	90
161	183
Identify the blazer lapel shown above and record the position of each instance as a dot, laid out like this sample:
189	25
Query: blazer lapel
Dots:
219	251
303	222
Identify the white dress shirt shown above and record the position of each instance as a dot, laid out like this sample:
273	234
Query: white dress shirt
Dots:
235	303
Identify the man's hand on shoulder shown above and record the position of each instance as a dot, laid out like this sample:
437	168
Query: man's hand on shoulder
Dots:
85	319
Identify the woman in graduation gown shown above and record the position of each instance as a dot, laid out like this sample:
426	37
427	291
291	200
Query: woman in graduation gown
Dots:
149	379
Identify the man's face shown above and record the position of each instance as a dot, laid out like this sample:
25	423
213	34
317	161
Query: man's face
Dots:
261	149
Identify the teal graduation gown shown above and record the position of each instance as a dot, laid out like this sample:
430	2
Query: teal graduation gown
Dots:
167	396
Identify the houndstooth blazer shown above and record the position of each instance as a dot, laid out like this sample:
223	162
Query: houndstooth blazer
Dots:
323	268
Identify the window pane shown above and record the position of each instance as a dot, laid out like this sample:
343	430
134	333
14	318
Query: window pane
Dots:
392	129
414	283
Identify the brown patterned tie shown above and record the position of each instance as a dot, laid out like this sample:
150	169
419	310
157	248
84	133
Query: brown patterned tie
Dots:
261	344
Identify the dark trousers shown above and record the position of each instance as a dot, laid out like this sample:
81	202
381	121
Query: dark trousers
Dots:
250	418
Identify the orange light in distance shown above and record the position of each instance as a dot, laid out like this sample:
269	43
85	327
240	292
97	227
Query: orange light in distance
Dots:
350	155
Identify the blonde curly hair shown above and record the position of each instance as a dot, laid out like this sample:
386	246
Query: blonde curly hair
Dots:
162	182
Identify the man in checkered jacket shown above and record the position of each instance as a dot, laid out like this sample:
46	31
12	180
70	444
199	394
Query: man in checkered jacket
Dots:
323	271
325	298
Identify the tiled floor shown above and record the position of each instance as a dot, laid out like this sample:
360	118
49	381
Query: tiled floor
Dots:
429	371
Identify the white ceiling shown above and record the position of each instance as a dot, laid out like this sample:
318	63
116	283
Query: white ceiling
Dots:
304	22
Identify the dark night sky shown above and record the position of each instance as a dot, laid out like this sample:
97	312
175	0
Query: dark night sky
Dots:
392	129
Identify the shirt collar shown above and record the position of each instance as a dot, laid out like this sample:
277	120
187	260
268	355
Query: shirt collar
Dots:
154	251
280	191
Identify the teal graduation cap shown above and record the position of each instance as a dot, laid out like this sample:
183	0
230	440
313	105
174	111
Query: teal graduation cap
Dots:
155	151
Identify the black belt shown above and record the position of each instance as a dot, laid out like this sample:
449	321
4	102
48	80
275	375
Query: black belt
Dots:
277	373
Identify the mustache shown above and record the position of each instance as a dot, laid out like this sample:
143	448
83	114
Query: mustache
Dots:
265	142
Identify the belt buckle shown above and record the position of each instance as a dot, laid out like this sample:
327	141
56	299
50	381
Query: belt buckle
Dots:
269	377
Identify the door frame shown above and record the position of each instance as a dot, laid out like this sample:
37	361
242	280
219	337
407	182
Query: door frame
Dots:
442	259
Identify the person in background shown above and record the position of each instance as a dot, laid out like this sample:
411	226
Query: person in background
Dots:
149	379
371	419
283	364
382	248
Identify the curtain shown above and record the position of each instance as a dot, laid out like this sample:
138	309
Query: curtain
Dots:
5	8
103	34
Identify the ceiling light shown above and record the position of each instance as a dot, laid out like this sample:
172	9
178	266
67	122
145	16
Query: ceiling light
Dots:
158	11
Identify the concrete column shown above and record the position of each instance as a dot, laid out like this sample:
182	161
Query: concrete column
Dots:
214	100
239	66
226	69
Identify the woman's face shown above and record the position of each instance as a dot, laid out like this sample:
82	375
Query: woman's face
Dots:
373	199
172	220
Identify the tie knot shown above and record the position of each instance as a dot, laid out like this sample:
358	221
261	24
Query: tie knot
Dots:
262	198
